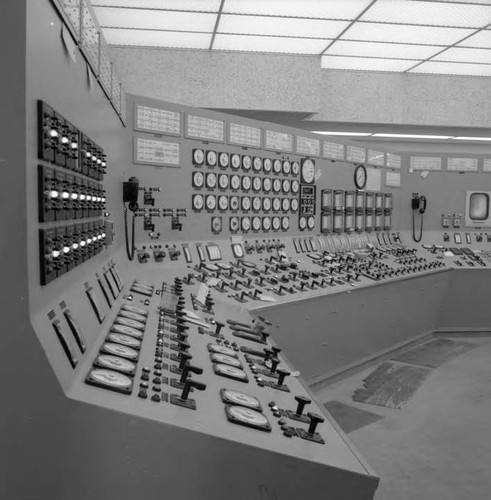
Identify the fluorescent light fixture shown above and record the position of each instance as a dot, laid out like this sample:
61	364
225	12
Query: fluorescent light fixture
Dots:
358	134
170	39
198	5
413	136
458	54
366	64
471	138
450	68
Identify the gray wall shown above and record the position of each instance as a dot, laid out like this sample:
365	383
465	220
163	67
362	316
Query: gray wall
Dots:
297	83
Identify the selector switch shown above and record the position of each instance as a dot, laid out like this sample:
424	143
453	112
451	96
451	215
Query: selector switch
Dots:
297	414
311	434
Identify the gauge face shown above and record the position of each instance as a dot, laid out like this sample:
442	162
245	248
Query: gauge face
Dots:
132	315
221	349
235	182
232	372
115	363
276	204
130	322
234	227
245	223
119	338
256	223
235	160
286	167
295	187
246	183
137	310
223	159
234	203
198	179
266	184
277	185
211	158
267	165
276	223
110	378
120	350
226	360
266	223
276	166
198	156
198	201
256	184
211	202
223	202
246	162
257	163
294	204
295	168
285	223
266	204
285	204
246	203
216	224
127	330
308	171
302	222
360	177
256	203
240	399
286	186
311	222
223	181
211	180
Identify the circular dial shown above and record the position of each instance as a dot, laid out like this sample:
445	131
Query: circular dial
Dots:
256	223
360	177
211	158
211	180
241	399
277	185
198	201
295	168
276	204
120	350
221	349
246	203
285	204
120	338
235	160
311	222
226	360
286	186
266	223
294	205
308	171
266	204
223	159
111	379
198	179
137	310
234	224
246	183
287	167
211	202
257	163
295	187
256	184
234	203
198	156
115	363
127	330
256	203
130	322
276	166
223	202
216	226
302	222
235	182
267	165
245	223
246	162
132	315
266	184
285	223
276	223
223	181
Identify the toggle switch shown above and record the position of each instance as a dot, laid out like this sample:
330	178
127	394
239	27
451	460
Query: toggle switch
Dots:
189	369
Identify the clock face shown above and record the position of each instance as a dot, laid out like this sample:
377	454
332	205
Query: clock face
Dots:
256	184
246	162
198	156
211	158
287	167
256	223
311	222
285	223
286	186
295	187
245	223
211	202
223	181
234	203
198	179
246	203
246	183
223	159
308	171
235	160
302	222
360	177
211	180
256	203
257	164
267	165
266	223
198	201
276	204
285	204
223	202
295	168
235	182
266	184
277	185
266	204
277	166
234	224
276	223
294	205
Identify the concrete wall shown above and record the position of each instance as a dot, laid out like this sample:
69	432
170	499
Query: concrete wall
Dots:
297	83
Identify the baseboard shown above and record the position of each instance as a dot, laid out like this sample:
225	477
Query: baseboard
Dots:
460	332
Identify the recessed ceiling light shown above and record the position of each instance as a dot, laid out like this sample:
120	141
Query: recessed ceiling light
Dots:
414	136
472	138
359	134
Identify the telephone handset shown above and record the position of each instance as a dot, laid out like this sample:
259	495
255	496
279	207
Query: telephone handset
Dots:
418	205
130	196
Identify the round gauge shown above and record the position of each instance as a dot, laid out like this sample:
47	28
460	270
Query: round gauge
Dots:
211	180
223	202
360	177
235	160
240	399
308	171
246	203
226	360
223	181
302	222
256	203
198	201
285	204
113	379
266	204
130	322
266	223
211	158
256	223
132	315
211	202
256	184
232	372
221	349
266	184
120	350
137	310
246	162
198	179
277	185
119	338
276	222
115	363
257	163
246	223
234	226
216	227
286	186
287	167
276	166
311	222
294	205
246	183
237	248
276	204
285	223
234	203
198	156
127	330
295	168
223	159
235	182
295	187
267	165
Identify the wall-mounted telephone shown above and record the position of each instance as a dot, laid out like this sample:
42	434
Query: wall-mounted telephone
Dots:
418	205
130	196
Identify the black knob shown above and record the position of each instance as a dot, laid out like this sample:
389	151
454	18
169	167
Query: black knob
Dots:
315	419
183	345
302	402
189	369
269	354
184	358
282	375
274	363
187	387
276	350
219	326
243	295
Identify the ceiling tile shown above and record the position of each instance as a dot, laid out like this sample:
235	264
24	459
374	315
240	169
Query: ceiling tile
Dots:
373	49
198	5
170	39
458	54
365	64
481	39
447	68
